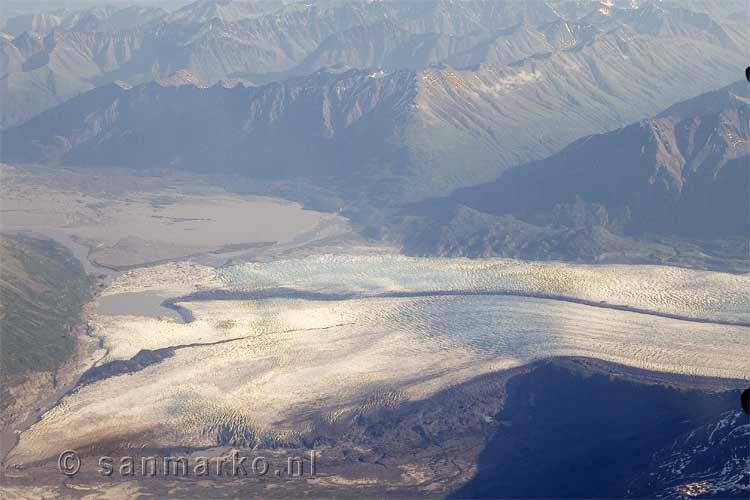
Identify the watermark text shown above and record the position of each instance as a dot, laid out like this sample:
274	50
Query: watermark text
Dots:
232	465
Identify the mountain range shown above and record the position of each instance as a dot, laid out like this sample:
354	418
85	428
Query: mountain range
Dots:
46	59
403	134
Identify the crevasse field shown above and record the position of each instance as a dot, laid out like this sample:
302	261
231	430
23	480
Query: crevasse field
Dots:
275	348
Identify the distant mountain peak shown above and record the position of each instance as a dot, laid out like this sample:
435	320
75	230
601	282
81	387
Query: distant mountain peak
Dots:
230	84
202	11
182	77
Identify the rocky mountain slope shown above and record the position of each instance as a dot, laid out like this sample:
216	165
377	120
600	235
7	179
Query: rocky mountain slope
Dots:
709	461
683	174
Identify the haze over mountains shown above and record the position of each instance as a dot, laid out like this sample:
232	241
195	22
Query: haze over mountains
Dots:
96	19
48	58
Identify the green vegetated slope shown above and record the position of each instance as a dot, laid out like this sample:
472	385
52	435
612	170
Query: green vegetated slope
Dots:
42	290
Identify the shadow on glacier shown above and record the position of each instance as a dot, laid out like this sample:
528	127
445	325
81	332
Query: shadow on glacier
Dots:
566	431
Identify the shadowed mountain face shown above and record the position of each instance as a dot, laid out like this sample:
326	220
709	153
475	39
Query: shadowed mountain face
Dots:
567	433
325	125
684	173
587	55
